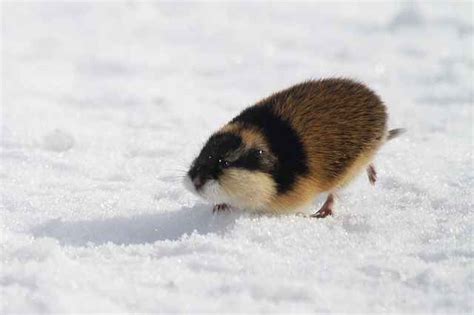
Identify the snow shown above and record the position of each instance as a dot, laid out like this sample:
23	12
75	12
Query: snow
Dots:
104	105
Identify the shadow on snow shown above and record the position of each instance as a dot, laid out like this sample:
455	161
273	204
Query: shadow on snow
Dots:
139	229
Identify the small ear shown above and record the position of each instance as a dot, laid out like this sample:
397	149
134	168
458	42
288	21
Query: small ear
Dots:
234	155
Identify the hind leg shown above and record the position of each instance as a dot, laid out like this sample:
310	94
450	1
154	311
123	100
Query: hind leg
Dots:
326	209
371	173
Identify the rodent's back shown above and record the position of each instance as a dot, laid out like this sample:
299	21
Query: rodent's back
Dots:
338	121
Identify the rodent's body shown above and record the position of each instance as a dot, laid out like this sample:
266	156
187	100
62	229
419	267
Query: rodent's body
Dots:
313	137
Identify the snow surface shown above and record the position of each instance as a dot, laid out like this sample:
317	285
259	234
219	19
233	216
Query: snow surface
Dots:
104	104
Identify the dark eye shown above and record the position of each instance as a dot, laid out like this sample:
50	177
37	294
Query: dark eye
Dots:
260	152
224	163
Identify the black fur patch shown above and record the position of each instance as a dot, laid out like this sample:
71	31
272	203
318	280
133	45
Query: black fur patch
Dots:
250	160
284	143
221	143
206	165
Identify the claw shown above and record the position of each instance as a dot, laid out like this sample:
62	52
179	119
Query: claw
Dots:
322	213
372	174
326	209
220	208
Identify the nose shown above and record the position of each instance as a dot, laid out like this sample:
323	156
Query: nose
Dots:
198	182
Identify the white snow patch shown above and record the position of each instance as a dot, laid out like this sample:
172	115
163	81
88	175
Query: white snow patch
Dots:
127	93
58	141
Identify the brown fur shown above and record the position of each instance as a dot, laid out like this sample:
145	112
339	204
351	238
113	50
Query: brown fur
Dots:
341	124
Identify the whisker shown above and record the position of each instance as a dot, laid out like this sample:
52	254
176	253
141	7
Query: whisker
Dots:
175	173
178	169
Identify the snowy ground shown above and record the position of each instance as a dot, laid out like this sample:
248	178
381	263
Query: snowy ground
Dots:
104	104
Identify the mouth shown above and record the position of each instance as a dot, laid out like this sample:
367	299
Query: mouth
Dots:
195	184
188	183
209	190
198	182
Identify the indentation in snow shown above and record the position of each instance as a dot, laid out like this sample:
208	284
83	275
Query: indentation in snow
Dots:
58	141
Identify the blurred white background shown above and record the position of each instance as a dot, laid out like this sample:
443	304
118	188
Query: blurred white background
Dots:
104	104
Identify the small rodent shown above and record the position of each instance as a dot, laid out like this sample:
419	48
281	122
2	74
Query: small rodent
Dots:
279	154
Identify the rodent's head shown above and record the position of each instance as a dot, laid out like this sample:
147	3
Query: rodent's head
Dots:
234	168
